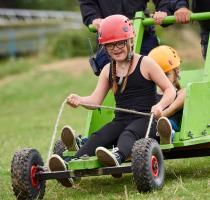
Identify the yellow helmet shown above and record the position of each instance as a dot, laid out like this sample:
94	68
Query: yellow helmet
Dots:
166	57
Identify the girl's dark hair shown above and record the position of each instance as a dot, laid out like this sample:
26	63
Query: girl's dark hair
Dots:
114	76
176	82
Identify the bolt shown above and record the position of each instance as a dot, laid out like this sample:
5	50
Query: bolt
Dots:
204	132
190	134
85	157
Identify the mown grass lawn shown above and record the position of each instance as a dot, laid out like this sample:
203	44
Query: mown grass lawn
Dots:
29	107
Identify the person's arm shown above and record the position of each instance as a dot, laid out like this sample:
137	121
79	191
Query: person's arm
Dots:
177	4
176	105
90	11
181	11
162	8
152	71
97	96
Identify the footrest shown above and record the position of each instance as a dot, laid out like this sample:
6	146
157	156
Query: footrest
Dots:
84	163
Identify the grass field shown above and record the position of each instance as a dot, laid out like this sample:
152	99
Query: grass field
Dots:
30	102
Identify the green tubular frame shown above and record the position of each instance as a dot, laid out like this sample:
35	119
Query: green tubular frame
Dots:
195	128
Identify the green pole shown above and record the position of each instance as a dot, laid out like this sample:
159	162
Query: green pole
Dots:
172	19
167	20
139	31
92	28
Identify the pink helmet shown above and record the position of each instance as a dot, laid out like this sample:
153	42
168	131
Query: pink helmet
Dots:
115	28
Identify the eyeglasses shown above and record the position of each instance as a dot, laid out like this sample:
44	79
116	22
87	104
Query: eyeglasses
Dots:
119	45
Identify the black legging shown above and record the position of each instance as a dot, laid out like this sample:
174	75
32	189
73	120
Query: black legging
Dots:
124	133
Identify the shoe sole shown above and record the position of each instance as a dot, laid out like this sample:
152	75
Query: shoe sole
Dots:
164	129
105	158
55	164
68	139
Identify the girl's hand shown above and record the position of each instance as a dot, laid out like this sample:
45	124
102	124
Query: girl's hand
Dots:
159	17
157	110
74	100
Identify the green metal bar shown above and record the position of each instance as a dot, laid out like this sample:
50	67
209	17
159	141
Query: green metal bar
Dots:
139	31
200	140
168	20
79	164
92	28
172	19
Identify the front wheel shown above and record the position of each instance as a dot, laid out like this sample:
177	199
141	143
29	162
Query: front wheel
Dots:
25	164
147	165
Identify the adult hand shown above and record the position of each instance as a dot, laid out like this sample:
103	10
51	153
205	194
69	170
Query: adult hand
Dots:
182	15
74	100
159	17
96	23
157	110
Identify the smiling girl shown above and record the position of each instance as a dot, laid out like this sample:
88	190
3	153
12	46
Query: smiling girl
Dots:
132	78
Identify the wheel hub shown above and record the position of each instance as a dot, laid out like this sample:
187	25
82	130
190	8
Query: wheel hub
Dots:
34	181
154	164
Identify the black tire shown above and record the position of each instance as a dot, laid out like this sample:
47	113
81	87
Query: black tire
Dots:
117	175
147	165
23	168
59	148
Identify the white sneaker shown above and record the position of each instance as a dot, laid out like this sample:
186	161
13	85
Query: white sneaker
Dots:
56	163
164	130
68	138
106	158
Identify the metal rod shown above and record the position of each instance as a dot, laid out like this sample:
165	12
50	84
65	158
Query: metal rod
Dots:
47	175
116	109
149	125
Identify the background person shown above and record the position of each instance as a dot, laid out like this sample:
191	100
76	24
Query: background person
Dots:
93	11
182	14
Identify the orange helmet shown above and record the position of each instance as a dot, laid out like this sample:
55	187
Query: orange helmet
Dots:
115	28
166	57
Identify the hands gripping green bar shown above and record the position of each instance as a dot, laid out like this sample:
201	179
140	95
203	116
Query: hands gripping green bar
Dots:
172	19
168	20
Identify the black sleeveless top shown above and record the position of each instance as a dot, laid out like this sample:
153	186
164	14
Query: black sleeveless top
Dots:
139	94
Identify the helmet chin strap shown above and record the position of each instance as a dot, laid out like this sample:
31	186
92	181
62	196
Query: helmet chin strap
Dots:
130	50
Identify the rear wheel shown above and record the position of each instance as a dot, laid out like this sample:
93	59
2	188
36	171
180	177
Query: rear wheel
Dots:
147	165
59	148
25	164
